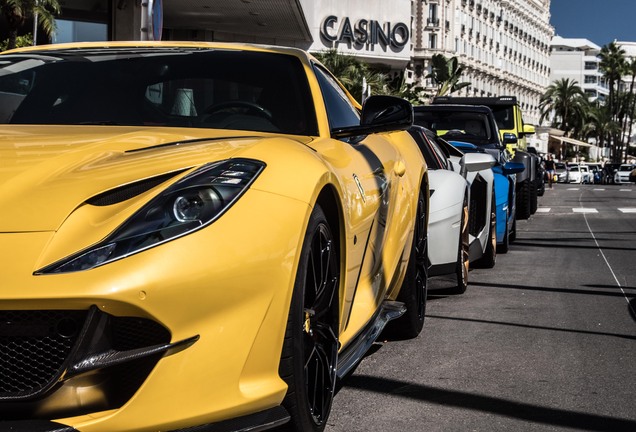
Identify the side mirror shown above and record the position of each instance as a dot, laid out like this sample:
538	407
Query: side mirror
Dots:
528	129
380	114
472	162
509	138
513	168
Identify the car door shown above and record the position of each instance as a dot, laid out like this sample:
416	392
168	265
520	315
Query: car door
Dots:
370	171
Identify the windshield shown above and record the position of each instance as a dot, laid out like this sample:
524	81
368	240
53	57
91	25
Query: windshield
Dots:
504	116
157	87
472	127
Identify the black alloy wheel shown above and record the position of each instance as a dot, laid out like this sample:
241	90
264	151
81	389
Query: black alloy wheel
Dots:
310	350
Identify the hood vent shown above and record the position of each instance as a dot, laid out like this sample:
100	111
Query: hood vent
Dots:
129	191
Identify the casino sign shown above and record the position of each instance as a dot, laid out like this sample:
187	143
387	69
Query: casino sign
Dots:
364	32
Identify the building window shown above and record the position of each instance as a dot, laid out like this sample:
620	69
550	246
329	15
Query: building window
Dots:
80	31
591	65
590	79
432	41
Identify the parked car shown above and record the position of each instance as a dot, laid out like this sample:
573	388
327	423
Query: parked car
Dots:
596	173
513	134
482	226
504	175
448	231
609	172
562	172
476	124
632	175
622	173
198	236
579	174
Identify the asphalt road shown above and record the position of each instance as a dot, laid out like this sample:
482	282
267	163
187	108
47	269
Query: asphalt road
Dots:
545	341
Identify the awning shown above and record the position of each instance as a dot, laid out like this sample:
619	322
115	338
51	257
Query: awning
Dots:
572	141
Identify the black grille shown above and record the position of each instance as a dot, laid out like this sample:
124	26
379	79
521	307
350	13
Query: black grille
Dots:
131	333
36	348
33	348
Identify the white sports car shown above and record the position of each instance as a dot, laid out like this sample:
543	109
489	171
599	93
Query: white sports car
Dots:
449	212
482	216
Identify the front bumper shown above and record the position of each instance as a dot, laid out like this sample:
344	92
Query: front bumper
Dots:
229	286
260	421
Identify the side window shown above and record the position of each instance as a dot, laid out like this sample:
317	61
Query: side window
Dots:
340	111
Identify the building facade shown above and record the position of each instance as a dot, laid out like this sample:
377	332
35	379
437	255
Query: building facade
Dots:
577	60
504	46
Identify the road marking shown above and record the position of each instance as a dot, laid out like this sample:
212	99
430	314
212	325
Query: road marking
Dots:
573	189
625	190
631	308
596	189
626	210
543	209
584	210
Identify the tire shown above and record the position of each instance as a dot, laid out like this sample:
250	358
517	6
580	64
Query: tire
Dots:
523	200
463	256
310	349
489	258
540	186
415	286
505	245
534	201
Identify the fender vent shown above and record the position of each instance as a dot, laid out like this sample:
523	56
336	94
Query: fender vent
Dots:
129	191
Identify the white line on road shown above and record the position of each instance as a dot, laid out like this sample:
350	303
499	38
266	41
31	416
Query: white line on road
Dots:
584	210
627	210
625	190
543	209
631	308
597	189
573	189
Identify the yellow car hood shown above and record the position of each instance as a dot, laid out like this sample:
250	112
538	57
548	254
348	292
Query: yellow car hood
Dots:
46	172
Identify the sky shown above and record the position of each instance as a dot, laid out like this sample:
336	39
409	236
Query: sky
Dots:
600	21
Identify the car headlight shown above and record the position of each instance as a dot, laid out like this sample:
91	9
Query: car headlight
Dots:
190	204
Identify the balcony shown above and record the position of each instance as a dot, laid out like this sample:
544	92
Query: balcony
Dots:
432	22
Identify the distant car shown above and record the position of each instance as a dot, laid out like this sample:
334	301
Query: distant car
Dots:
596	173
562	172
622	173
448	232
579	174
609	172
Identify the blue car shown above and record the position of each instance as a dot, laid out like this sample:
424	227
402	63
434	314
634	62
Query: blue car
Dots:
505	177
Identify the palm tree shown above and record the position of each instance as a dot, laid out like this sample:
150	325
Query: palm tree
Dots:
612	65
352	72
630	69
600	125
18	12
566	101
446	73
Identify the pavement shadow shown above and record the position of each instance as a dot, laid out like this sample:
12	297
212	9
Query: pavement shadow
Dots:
493	405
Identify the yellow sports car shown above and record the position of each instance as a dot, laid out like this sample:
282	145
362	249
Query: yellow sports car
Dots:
197	235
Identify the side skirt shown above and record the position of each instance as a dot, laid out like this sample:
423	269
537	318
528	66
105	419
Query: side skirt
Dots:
353	353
